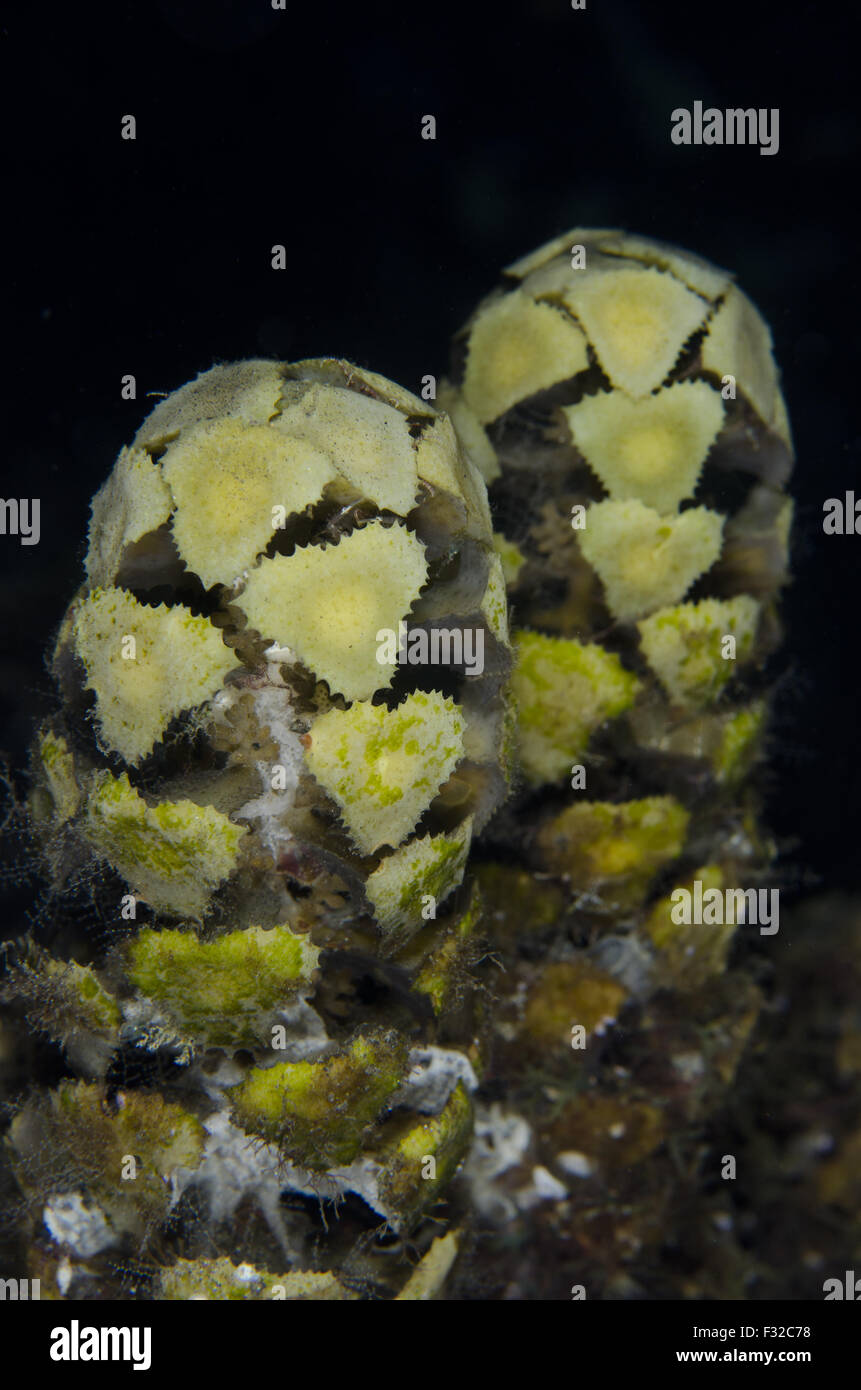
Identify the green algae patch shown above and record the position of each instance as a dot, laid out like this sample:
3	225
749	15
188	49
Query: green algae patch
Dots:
420	875
651	449
686	646
564	689
123	1153
688	955
69	1003
418	1160
94	1006
613	850
174	855
222	1280
57	764
135	500
568	994
228	479
647	561
146	665
318	1111
494	606
222	991
443	974
517	347
384	767
740	742
636	319
367	441
511	558
329	603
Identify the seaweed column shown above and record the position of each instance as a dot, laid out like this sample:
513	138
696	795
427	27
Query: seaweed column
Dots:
263	1024
621	398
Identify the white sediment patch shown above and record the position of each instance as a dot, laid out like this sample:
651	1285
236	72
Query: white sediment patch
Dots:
434	1073
274	711
502	1140
82	1227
